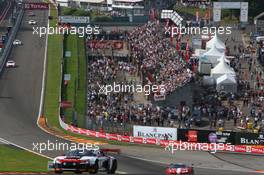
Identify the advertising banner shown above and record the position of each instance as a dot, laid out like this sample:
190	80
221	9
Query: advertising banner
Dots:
74	19
206	136
249	139
192	136
155	132
66	104
230	5
244	12
217	15
36	6
96	44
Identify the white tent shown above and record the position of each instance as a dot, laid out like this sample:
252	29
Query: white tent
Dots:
226	83
213	55
204	66
224	57
222	68
215	41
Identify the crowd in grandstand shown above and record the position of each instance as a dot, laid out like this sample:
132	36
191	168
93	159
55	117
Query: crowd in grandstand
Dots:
153	57
160	59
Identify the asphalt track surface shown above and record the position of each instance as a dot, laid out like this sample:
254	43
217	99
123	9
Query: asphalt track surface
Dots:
20	90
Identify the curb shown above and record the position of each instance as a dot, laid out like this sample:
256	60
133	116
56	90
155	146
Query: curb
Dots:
41	121
43	125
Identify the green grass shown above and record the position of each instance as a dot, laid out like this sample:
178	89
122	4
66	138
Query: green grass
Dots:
81	90
16	159
53	75
53	84
192	10
76	67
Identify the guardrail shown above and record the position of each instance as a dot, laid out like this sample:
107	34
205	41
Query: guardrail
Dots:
9	44
168	144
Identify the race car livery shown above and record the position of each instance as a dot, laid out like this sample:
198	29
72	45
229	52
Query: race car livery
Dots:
179	168
79	161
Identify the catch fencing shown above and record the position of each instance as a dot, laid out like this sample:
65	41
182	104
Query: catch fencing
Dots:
8	46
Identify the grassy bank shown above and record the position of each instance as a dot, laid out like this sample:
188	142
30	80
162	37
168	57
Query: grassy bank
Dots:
16	159
75	65
53	83
53	74
192	10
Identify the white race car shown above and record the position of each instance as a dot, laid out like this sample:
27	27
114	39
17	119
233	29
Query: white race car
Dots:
79	161
17	42
32	22
10	63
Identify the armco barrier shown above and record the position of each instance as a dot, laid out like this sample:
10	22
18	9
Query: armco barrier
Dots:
11	38
166	143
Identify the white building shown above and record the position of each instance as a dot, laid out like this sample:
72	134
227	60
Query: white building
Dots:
124	6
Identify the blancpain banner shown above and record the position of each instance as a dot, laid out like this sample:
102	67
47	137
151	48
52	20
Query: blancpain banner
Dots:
155	132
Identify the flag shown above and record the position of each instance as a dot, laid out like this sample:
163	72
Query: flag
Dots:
197	16
179	37
152	14
150	78
167	23
187	55
178	46
187	45
171	34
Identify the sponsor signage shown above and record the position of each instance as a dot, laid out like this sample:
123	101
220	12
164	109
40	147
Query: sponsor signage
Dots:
249	139
221	137
230	5
36	6
74	19
115	44
243	6
244	12
217	15
67	77
154	132
66	104
206	136
251	149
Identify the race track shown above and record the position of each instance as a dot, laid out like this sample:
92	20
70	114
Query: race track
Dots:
20	90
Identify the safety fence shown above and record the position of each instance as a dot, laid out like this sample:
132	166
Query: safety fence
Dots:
9	44
170	144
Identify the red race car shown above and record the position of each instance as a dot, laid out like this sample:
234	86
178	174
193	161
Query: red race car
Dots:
179	168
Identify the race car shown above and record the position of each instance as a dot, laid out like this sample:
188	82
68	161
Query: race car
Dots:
179	168
10	63
32	22
17	42
79	161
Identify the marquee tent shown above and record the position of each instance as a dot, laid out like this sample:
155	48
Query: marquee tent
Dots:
224	57
213	54
215	41
222	68
226	83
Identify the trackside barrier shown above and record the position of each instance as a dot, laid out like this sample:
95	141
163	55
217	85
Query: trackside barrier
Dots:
11	38
176	145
